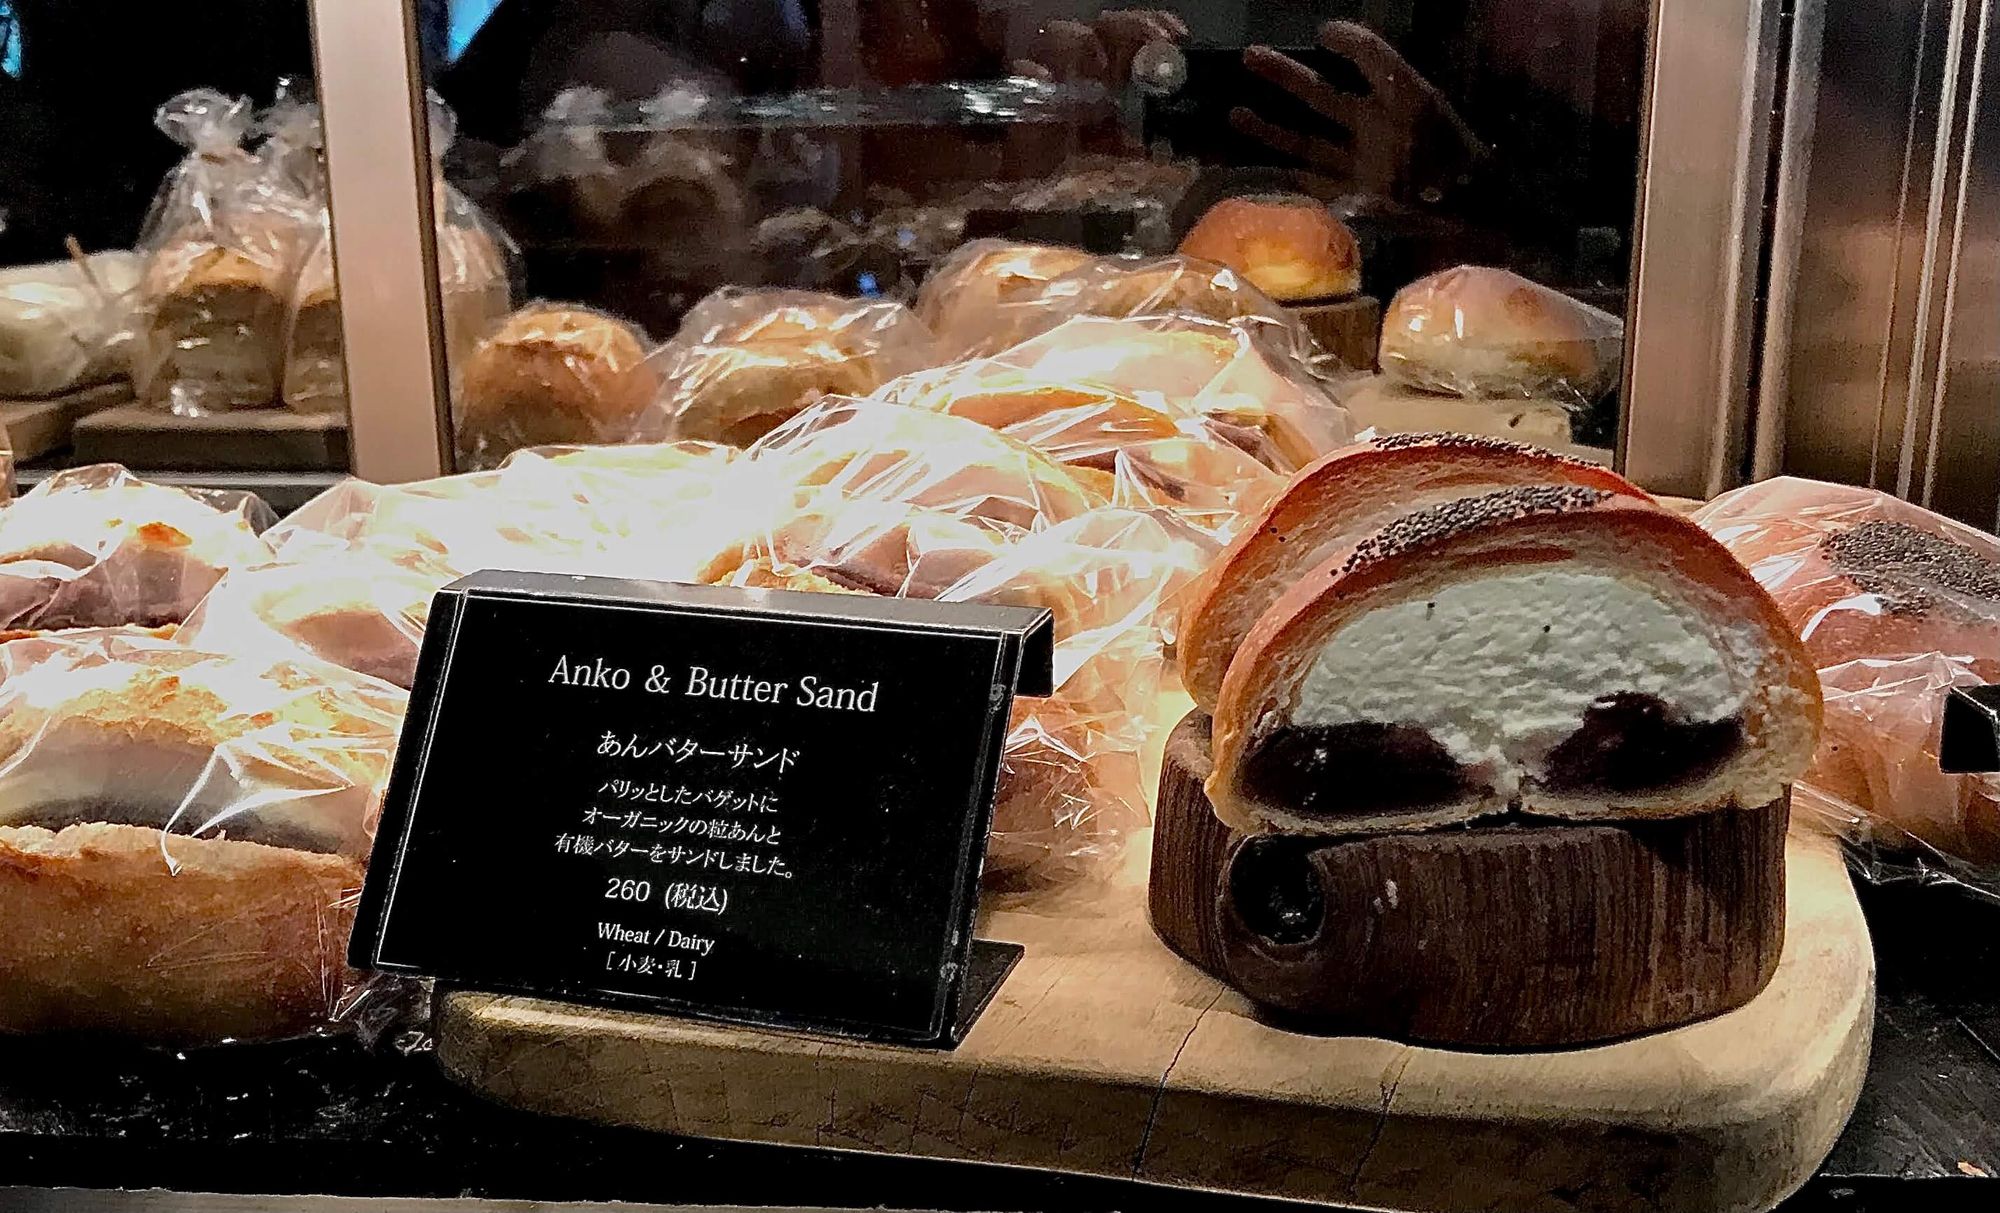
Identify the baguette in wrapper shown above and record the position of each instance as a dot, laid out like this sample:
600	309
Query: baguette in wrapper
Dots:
182	836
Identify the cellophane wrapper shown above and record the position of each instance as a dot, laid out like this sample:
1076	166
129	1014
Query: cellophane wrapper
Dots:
746	360
476	262
99	547
1896	605
1118	287
183	835
871	497
1196	419
63	324
551	374
223	243
1460	332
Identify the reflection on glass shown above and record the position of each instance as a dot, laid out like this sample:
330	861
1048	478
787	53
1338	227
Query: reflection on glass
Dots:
158	220
647	155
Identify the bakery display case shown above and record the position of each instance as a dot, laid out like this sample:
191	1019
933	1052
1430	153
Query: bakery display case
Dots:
168	281
1357	739
1434	212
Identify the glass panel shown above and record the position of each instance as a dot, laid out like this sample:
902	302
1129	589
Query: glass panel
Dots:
645	154
157	230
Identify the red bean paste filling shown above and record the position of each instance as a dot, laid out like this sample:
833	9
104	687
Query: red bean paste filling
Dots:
1362	767
1632	742
1629	743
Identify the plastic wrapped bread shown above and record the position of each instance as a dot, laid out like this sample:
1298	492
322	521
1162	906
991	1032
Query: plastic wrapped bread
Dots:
1249	388
358	610
223	243
183	836
746	361
1133	452
1117	287
885	452
99	547
960	298
1480	332
660	511
553	373
1896	605
62	324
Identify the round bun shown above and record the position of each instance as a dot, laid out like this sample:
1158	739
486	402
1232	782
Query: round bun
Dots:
745	362
1895	604
1123	286
961	300
242	941
550	375
1288	245
1476	331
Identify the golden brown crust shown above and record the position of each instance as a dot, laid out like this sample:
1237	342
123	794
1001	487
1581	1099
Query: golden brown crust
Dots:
241	942
1540	524
1335	500
1479	331
552	375
1289	246
959	299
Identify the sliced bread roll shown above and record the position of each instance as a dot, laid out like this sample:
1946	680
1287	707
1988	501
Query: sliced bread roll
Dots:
1335	502
1555	649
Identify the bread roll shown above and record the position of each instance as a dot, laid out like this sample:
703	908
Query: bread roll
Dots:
884	452
1477	331
553	374
1558	650
744	363
1333	504
1289	246
961	300
1895	605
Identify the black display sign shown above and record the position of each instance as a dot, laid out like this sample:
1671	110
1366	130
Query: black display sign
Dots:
754	805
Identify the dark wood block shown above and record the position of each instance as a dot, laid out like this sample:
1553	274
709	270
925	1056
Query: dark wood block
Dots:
1350	328
1512	936
242	440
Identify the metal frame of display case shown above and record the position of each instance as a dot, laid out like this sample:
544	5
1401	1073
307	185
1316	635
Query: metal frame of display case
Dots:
1882	362
1712	72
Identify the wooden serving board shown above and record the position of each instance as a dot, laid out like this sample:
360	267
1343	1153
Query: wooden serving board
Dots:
36	427
268	439
1105	1053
